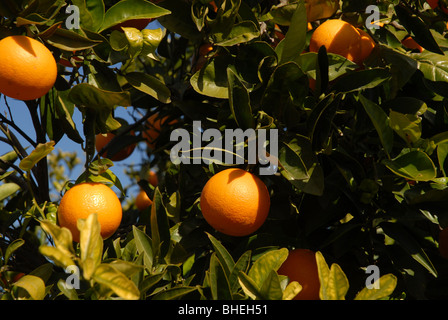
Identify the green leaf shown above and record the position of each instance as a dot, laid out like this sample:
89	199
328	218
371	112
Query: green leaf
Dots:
242	265
91	13
211	80
218	280
249	286
409	244
12	247
149	85
271	260
387	284
60	257
91	244
414	165
160	231
333	281
271	288
144	246
178	21
292	290
88	96
442	154
241	32
433	66
34	288
291	164
239	101
110	277
7	189
295	39
380	122
62	237
174	293
361	80
68	40
407	126
223	255
71	293
129	10
150	281
41	151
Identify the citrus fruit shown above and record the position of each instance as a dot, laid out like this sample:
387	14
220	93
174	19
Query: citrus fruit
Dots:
338	37
28	70
86	198
367	45
102	140
320	9
154	128
142	201
235	202
443	243
301	266
152	178
410	43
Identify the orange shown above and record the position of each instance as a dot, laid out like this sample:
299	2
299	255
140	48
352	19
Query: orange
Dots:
410	43
142	201
153	179
443	243
367	45
102	140
154	128
28	70
86	198
235	202
301	266
338	37
433	3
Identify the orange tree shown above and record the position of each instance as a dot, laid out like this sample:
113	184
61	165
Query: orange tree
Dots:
361	162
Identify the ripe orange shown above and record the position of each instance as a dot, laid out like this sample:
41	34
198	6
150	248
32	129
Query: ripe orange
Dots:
154	128
338	37
28	70
86	198
367	45
410	43
142	201
153	179
102	140
301	266
443	243
235	202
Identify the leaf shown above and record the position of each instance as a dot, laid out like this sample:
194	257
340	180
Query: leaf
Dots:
333	281
414	165
91	13
150	281
110	277
292	290
41	151
433	66
291	164
62	237
174	293
178	21
242	265
129	10
271	260
68	40
12	247
409	244
241	32
89	96
149	85
407	126
33	286
218	280
271	289
239	101
387	284
361	80
91	244
144	246
380	122
7	189
295	39
211	80
60	257
249	286
160	232
223	255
